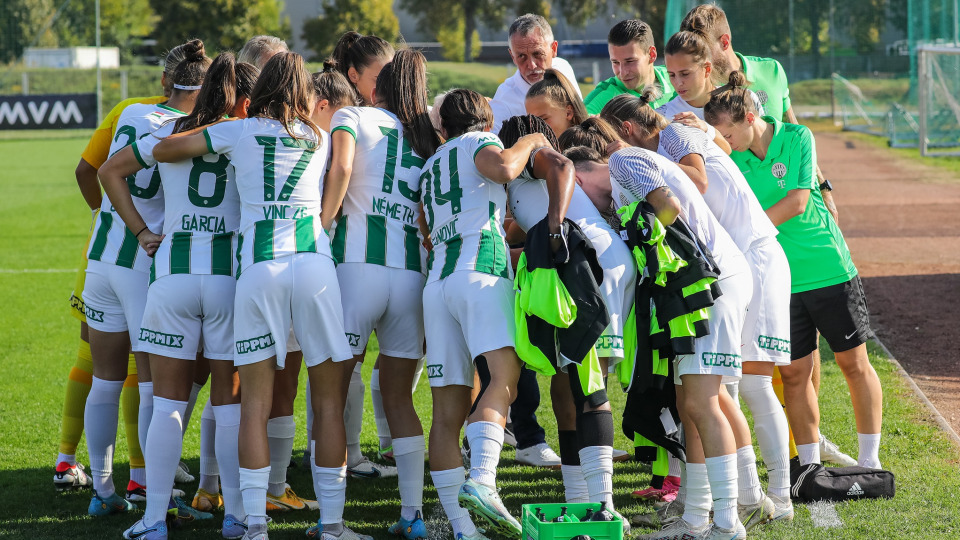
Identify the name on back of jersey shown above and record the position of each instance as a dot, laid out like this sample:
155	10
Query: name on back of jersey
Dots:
284	211
207	224
443	234
394	210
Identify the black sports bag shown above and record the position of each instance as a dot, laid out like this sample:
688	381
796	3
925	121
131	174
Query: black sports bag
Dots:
814	482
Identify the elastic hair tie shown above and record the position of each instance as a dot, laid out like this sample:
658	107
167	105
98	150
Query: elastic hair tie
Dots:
186	87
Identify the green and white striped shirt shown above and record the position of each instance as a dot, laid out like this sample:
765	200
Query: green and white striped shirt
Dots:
202	212
464	210
280	179
112	241
381	210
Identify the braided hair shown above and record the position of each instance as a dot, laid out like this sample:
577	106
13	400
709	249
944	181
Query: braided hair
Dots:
519	126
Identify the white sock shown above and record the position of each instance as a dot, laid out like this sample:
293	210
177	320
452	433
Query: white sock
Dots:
253	489
734	390
280	434
696	509
409	452
748	482
682	492
228	458
69	458
165	445
191	403
145	415
596	462
100	422
379	416
574	486
722	473
330	483
869	450
209	472
353	417
676	466
486	441
309	417
773	433
139	475
808	453
448	485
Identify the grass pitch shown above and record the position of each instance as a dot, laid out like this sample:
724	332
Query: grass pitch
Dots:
43	225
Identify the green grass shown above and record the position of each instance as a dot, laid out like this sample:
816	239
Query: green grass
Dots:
43	224
817	91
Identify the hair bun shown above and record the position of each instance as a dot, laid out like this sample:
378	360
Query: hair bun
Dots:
737	79
329	64
194	51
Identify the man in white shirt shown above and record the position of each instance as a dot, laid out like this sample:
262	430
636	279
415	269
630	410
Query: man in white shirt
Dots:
533	50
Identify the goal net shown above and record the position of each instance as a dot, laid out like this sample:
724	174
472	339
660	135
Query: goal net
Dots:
938	99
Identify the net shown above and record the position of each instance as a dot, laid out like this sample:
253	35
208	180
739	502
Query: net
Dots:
939	106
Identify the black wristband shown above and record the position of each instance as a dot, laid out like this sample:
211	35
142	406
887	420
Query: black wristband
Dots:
826	186
137	236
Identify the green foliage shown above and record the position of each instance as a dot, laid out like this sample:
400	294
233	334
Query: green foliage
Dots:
463	14
441	79
123	24
365	16
25	23
221	24
452	43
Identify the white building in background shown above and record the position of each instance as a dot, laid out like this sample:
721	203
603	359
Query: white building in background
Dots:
72	57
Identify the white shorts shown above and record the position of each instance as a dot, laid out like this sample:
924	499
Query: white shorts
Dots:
719	352
388	300
299	290
766	329
114	299
187	312
465	315
618	288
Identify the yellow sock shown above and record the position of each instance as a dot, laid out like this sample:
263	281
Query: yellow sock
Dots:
130	403
78	387
778	389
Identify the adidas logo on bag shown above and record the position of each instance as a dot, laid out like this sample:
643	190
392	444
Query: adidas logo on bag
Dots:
855	490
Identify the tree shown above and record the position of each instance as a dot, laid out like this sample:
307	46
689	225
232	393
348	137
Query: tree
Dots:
490	13
365	16
451	38
221	24
25	23
123	23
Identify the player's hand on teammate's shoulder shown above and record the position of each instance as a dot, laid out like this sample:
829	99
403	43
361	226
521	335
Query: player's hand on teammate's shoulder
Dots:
687	118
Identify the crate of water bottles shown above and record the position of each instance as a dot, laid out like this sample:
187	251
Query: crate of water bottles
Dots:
570	522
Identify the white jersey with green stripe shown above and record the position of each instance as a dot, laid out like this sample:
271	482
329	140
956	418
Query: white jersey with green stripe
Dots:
280	179
202	212
112	242
464	210
381	210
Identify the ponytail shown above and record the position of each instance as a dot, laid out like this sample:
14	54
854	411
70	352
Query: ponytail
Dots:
731	99
708	20
188	76
636	110
402	87
284	92
357	51
331	85
594	132
560	91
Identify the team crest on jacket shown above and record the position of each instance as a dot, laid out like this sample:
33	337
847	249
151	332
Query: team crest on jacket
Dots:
762	96
779	170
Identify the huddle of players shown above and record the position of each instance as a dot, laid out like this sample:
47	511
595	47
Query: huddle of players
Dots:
243	247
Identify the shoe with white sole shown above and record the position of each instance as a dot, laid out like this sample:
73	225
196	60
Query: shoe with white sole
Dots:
142	531
678	530
346	534
256	532
830	452
752	515
233	528
620	455
716	533
782	508
290	501
369	469
183	475
67	476
539	455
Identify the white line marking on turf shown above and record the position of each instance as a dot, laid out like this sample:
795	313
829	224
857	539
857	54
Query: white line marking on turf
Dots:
37	270
824	515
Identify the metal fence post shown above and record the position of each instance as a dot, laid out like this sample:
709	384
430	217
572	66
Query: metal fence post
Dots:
25	83
123	85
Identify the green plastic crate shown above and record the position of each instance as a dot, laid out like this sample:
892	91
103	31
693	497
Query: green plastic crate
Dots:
534	529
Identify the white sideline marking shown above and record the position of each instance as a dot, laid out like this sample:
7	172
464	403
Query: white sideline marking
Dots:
37	270
824	515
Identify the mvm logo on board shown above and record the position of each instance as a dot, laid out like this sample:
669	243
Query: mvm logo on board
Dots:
48	111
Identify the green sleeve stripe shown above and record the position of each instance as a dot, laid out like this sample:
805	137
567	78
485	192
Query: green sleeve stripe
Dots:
209	142
345	128
486	144
136	152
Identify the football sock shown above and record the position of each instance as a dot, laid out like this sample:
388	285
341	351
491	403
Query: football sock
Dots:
773	434
353	417
409	453
809	453
748	483
486	441
675	465
100	420
145	413
448	485
71	421
330	483
379	416
280	434
253	489
228	458
130	408
722	474
139	475
165	446
574	486
596	462
697	503
869	455
209	470
191	403
309	418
